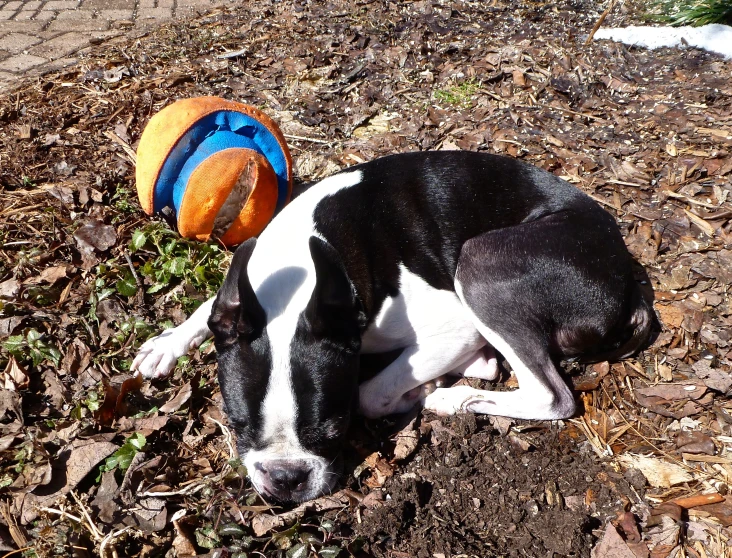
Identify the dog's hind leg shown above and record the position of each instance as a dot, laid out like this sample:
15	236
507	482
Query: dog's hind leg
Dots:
542	393
559	286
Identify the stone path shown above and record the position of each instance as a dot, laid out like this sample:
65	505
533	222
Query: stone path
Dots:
38	36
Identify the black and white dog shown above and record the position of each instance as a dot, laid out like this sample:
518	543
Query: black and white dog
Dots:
444	255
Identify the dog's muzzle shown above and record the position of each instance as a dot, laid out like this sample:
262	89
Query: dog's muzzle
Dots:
290	480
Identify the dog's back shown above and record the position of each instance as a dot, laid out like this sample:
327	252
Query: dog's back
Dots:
417	210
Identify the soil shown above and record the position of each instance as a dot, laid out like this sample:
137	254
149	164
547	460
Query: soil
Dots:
473	492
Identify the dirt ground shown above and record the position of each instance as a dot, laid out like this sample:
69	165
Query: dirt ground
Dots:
95	462
474	492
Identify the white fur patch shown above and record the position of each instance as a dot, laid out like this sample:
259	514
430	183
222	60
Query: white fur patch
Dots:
282	275
436	332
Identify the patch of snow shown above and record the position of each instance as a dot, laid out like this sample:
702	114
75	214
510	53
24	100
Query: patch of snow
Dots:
713	37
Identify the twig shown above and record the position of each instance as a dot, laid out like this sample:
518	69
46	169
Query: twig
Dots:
92	527
190	489
28	208
603	202
562	109
132	156
132	269
686	199
650	443
231	54
599	22
623	183
701	223
16	551
698	500
16	532
313	140
109	538
62	513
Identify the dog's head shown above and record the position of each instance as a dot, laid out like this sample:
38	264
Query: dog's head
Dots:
289	380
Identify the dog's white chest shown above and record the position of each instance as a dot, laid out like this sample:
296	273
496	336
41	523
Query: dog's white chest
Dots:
418	314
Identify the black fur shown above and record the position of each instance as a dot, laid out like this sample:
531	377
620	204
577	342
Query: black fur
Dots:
418	209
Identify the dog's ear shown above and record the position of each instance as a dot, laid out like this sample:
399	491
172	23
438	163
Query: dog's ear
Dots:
334	309
236	311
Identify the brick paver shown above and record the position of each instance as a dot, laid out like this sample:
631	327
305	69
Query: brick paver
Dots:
39	36
15	43
20	63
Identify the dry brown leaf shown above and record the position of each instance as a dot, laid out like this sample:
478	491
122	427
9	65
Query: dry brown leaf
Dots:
8	325
664	538
115	405
658	473
671	316
15	375
183	543
518	78
263	524
612	545
77	463
9	289
713	378
145	425
180	398
688	389
693	441
406	442
52	274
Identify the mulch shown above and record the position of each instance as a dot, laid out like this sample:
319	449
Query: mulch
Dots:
94	462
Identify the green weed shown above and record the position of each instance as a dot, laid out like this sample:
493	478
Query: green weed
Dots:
122	200
122	458
691	12
176	261
458	94
31	347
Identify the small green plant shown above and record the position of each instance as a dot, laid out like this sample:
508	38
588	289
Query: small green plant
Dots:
31	347
458	94
122	458
92	401
177	261
121	200
691	12
207	537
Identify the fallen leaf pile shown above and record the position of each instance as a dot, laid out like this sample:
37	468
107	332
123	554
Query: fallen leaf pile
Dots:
94	460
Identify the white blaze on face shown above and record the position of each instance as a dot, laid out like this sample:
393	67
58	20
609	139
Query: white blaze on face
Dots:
282	275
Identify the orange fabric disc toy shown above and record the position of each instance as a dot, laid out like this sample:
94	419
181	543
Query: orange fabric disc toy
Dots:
222	166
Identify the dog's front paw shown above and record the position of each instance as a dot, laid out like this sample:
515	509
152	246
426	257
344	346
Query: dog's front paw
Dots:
158	356
376	405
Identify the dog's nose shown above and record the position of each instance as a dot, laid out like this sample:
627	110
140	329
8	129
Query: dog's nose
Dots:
286	477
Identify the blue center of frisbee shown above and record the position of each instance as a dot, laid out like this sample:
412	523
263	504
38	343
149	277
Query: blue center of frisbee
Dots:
218	131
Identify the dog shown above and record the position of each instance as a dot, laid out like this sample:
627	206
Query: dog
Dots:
442	255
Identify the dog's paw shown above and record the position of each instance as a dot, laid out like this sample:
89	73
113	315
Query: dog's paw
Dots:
386	404
450	401
158	356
